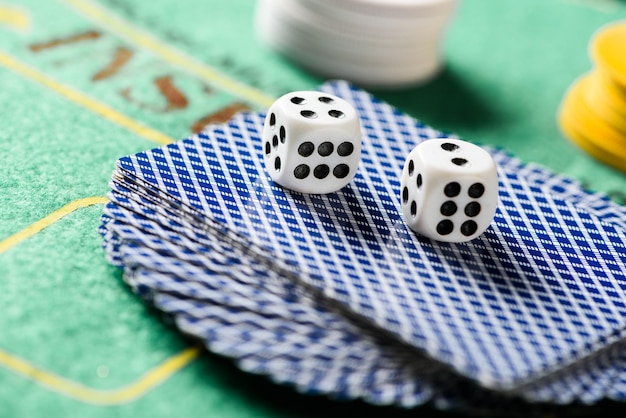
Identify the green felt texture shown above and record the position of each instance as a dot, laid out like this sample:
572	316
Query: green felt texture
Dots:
65	311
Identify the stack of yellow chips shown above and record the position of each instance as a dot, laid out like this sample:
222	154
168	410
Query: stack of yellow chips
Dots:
593	112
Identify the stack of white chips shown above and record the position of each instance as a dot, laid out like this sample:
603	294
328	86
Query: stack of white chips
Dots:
373	43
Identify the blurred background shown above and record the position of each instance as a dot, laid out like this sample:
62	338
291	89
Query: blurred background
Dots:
85	82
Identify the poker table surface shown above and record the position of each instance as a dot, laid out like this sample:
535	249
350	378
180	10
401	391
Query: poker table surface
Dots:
85	82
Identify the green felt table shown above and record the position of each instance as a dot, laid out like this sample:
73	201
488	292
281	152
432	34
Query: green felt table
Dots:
84	82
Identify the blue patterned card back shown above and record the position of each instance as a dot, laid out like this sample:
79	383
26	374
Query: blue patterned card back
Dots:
541	288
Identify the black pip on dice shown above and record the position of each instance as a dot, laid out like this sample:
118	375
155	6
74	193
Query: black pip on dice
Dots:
449	190
311	142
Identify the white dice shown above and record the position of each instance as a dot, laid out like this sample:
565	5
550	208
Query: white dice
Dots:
311	142
449	190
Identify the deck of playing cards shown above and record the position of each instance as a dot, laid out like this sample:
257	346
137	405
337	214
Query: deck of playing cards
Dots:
333	294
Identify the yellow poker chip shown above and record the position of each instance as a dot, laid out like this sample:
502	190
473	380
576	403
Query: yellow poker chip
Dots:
592	126
610	92
598	101
608	50
588	132
570	131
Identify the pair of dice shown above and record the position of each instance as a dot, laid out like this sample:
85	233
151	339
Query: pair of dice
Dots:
312	144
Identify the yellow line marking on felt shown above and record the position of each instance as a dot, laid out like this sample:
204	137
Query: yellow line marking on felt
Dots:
85	394
36	227
14	17
67	387
118	26
84	100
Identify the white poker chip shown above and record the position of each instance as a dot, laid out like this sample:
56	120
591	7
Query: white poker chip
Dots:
364	69
401	10
392	43
366	17
412	71
330	17
360	51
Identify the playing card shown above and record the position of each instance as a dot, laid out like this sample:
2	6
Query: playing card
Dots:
541	290
361	222
284	334
185	272
399	375
617	391
188	280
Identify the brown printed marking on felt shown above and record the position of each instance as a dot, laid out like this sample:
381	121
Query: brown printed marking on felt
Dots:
175	99
145	41
122	56
85	101
221	116
85	36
